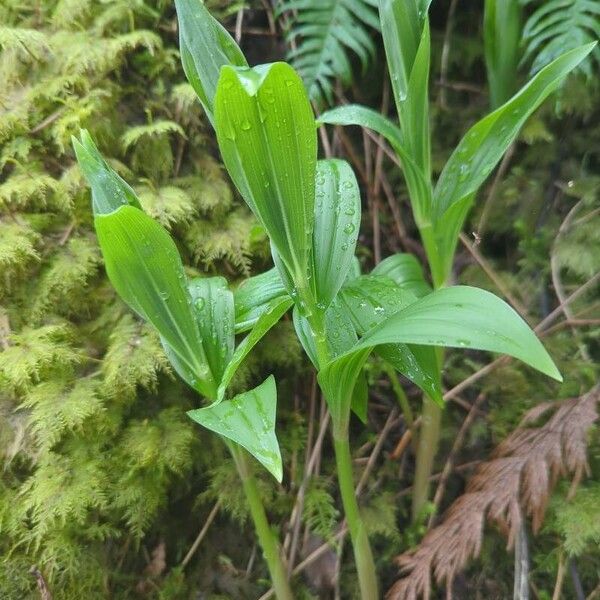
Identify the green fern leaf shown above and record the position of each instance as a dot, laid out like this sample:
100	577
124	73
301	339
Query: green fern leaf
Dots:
324	31
558	26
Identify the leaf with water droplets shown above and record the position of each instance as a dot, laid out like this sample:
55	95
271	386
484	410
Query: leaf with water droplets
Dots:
267	136
248	419
205	46
253	297
337	220
405	271
213	303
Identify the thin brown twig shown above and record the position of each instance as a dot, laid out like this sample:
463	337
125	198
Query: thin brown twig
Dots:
201	535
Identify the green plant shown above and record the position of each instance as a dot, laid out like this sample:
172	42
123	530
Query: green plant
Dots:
440	210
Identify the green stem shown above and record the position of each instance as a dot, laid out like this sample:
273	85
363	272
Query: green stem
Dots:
429	437
266	538
363	557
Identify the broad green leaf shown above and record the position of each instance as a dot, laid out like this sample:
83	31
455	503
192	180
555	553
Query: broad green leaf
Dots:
371	300
109	190
144	267
337	221
273	311
205	46
253	296
213	304
248	420
464	317
461	316
420	189
484	144
405	271
267	136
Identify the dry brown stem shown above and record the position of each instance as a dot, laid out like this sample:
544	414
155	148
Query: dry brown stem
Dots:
515	482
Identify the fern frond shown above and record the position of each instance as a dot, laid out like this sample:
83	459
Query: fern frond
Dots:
29	44
153	130
324	32
560	25
169	204
25	188
320	513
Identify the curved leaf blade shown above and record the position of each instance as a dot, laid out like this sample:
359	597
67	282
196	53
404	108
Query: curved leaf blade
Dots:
266	133
213	304
484	144
144	266
205	46
337	221
248	420
405	271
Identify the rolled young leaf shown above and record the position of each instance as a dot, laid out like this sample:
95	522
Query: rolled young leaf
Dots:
248	420
405	271
266	132
205	46
337	221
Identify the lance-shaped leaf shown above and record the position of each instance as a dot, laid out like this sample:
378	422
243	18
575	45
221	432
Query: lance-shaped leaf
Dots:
372	299
253	297
144	266
267	136
248	420
274	310
484	144
405	271
461	316
213	303
205	46
337	221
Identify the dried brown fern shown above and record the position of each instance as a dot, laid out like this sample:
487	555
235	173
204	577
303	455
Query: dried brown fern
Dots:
516	481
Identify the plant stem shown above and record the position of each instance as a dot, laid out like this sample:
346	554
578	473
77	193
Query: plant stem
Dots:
428	443
363	557
365	566
266	538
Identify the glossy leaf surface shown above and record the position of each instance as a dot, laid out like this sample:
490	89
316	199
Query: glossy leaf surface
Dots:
484	144
143	264
337	222
248	420
272	313
213	304
205	46
405	271
253	297
266	133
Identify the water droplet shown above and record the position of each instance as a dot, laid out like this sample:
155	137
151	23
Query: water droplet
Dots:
246	125
350	227
200	303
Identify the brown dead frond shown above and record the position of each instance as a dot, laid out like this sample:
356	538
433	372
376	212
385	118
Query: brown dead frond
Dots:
516	481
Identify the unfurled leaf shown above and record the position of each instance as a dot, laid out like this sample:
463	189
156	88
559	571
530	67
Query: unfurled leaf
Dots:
213	304
253	297
337	221
205	46
144	267
273	311
484	144
266	133
248	420
405	271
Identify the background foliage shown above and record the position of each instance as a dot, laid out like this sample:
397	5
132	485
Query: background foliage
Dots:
105	481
